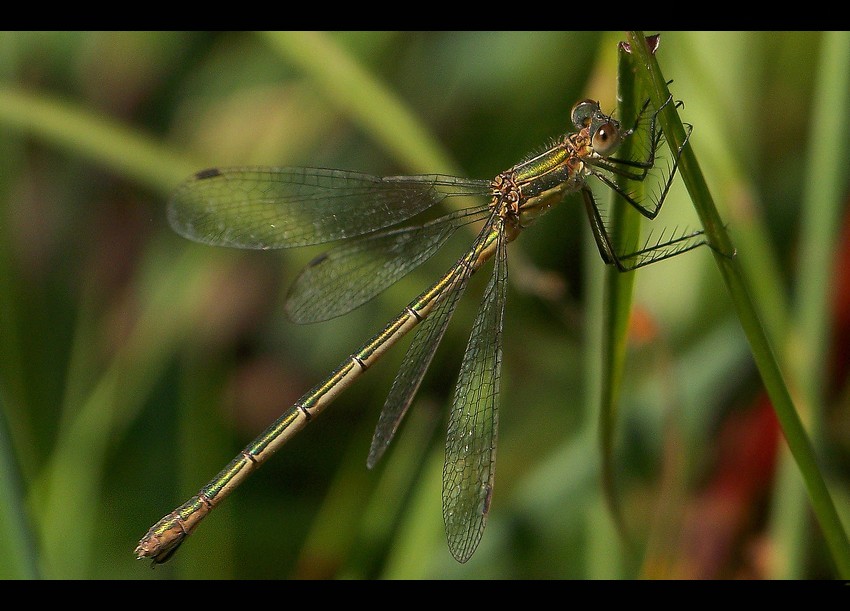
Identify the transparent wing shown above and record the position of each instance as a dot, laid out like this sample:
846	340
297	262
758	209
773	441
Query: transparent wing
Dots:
473	422
261	207
420	353
351	274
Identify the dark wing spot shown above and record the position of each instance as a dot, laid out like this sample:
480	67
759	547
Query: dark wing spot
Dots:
317	260
208	173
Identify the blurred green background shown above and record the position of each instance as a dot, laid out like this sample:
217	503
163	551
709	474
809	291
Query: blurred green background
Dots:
135	364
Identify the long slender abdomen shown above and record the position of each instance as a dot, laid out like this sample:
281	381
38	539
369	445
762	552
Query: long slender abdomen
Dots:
164	537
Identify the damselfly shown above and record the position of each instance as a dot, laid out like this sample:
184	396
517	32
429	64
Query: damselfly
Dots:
264	208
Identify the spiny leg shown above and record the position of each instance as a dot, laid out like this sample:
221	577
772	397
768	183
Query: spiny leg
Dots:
648	254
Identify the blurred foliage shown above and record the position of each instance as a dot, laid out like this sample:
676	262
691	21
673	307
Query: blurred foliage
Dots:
134	364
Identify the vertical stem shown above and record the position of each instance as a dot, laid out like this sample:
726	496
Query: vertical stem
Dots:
763	354
618	299
808	346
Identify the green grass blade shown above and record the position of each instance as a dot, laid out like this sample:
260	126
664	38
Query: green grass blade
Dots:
18	555
808	345
825	187
364	98
66	500
619	288
747	312
94	136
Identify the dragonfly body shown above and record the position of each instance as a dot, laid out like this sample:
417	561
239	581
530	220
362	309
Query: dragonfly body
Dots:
287	207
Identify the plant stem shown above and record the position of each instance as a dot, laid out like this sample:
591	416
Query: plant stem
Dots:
763	354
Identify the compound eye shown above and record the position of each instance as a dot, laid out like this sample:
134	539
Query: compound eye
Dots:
606	138
583	113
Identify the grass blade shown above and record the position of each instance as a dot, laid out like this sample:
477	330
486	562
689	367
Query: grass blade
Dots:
747	312
619	288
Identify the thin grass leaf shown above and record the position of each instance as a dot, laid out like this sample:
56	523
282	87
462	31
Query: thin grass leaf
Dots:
18	552
95	136
626	224
747	311
67	499
807	348
366	99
